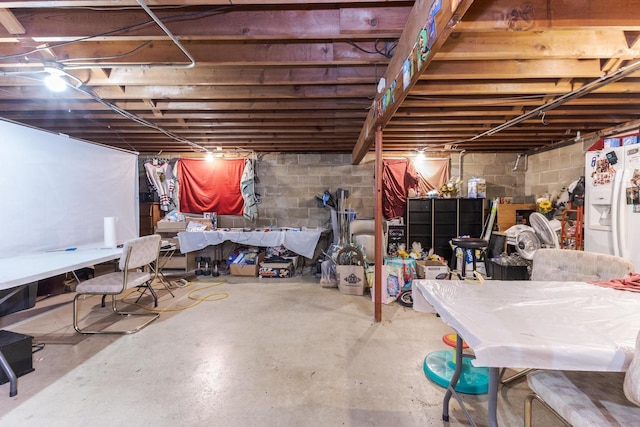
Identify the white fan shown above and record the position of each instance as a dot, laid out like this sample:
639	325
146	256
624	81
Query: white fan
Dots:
528	239
546	230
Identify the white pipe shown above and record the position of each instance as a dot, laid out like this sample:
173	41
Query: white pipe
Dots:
517	161
138	65
586	89
460	163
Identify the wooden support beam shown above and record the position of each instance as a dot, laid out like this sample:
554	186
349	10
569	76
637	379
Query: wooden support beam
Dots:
9	21
445	21
378	240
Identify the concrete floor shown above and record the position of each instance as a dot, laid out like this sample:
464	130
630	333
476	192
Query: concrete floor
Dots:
270	352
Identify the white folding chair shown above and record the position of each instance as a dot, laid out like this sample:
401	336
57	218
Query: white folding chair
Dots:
135	271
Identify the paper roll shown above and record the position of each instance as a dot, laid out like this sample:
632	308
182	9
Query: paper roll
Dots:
110	232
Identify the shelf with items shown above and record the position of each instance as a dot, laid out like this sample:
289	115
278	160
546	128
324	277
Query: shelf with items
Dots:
571	231
434	222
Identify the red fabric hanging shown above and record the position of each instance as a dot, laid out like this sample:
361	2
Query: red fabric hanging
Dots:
398	176
211	186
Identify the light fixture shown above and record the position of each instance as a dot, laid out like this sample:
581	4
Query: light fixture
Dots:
209	156
54	80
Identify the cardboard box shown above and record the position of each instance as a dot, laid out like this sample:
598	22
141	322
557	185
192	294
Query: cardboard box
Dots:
351	279
392	283
276	270
246	269
170	227
428	269
611	142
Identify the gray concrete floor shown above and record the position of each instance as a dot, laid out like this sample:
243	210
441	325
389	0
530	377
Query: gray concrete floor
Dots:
254	352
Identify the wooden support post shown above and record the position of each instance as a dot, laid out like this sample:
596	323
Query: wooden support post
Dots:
378	225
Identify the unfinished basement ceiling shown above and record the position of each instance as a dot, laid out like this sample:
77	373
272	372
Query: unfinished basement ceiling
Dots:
299	76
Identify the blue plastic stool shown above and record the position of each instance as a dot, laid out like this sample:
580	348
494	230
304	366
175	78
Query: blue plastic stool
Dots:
440	365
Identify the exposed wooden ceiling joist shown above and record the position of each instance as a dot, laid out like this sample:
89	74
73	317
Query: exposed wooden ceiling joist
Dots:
302	76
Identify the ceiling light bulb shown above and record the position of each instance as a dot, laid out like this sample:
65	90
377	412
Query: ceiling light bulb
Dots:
55	83
209	157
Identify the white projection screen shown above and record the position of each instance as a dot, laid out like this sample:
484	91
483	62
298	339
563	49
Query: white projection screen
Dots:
56	191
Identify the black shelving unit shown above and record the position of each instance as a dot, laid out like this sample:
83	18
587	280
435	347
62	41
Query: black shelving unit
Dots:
434	222
396	235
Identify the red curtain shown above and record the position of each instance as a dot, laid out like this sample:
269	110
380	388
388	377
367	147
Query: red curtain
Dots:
398	176
210	186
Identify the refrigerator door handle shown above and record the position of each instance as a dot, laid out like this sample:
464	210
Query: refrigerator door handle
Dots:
617	226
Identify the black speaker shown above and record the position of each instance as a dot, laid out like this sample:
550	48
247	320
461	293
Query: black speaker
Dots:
16	348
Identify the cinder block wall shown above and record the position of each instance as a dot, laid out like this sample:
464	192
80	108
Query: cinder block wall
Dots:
551	170
496	169
288	183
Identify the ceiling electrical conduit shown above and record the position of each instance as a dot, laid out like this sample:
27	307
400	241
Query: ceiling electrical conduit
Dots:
127	114
569	96
79	86
169	34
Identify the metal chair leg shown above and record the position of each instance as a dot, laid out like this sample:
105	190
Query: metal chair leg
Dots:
516	377
528	410
152	316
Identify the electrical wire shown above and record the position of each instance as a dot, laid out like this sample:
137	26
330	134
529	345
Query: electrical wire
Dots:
80	87
36	347
109	8
506	98
195	15
387	53
122	55
192	295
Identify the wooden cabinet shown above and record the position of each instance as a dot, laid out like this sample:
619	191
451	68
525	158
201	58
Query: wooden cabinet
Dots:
434	222
149	216
510	214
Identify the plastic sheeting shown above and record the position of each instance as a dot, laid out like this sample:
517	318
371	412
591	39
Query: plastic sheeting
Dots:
56	191
302	242
546	325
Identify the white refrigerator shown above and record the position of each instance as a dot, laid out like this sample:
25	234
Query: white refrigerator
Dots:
612	202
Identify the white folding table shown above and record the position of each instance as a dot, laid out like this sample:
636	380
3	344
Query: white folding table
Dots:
534	324
302	242
19	271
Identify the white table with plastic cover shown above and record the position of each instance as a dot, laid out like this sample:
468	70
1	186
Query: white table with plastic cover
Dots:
28	268
21	270
302	242
531	324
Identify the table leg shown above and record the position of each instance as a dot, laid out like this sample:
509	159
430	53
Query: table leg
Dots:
13	380
454	379
494	380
